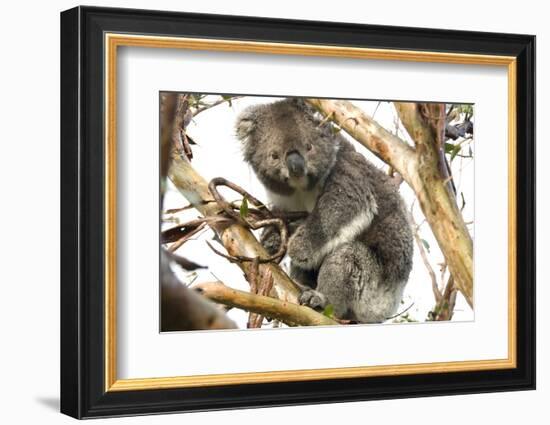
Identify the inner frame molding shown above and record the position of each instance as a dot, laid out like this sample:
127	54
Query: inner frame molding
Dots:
114	40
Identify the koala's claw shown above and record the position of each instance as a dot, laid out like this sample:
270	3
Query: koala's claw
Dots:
313	299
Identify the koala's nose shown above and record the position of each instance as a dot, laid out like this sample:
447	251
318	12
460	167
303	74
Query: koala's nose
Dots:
296	164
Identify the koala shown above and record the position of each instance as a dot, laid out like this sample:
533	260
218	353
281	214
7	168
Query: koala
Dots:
354	249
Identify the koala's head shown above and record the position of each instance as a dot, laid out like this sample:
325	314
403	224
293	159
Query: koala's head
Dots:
287	145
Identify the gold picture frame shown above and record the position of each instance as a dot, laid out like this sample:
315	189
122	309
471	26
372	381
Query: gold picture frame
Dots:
114	41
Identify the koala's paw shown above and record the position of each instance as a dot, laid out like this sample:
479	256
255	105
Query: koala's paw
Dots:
300	250
313	299
271	240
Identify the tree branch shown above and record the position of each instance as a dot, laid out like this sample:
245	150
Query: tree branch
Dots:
436	202
185	310
289	313
444	307
386	146
237	240
181	308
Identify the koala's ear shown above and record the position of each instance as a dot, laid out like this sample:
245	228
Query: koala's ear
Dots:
315	116
247	122
301	104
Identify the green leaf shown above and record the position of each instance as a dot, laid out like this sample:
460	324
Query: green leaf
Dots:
467	109
426	244
455	151
329	311
452	149
243	210
228	99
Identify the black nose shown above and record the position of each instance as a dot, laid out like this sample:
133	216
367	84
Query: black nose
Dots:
296	164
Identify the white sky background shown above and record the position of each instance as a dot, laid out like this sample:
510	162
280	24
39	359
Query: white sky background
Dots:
218	153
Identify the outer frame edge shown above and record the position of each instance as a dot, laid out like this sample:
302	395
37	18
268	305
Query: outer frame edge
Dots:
70	383
103	406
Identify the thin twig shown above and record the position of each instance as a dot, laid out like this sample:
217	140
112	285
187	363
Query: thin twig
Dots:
216	103
174	233
186	237
246	221
376	109
425	260
403	312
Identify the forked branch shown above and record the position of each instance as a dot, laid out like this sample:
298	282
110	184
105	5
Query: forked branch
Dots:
287	312
237	240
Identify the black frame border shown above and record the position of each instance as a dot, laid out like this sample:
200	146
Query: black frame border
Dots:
82	211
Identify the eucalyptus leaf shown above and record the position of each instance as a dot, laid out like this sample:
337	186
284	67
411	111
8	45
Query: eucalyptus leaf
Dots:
426	244
455	152
243	210
329	311
228	99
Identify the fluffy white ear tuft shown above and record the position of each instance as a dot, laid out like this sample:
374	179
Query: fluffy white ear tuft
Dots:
246	123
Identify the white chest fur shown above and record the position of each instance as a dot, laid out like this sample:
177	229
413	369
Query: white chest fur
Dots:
300	200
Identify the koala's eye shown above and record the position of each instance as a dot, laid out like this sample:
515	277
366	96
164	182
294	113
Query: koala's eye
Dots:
308	146
274	155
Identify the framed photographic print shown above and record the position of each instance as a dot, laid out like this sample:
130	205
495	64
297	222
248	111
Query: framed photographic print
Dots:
262	212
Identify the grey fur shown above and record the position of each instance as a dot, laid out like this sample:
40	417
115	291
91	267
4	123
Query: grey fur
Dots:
354	250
